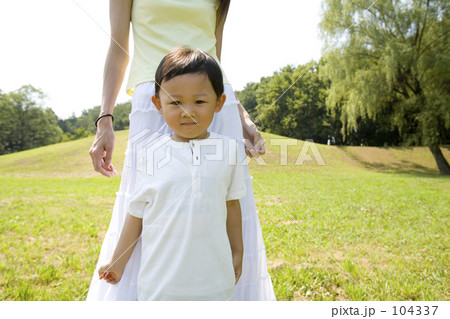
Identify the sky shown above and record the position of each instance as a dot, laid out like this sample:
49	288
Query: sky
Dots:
59	46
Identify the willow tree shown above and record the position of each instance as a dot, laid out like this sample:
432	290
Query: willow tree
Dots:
391	57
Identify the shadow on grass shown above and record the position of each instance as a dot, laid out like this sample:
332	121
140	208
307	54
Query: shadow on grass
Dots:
400	166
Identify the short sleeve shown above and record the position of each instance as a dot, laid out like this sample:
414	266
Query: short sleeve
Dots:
139	198
237	188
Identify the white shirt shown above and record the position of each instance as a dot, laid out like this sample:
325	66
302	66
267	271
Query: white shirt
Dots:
181	193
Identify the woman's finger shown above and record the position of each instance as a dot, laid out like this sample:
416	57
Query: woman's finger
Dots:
99	164
261	150
250	149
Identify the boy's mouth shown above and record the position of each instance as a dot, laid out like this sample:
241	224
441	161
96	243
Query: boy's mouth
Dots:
189	123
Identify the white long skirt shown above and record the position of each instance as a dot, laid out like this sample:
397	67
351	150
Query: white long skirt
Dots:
255	282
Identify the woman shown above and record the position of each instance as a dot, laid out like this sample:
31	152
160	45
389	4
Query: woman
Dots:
158	27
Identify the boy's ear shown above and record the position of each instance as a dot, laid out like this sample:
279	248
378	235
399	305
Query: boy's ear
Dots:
220	103
157	103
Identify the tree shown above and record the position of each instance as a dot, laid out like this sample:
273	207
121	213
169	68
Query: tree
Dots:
24	123
292	103
79	127
87	119
121	116
391	58
68	125
8	124
247	97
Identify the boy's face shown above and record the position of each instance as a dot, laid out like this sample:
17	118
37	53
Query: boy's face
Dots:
188	103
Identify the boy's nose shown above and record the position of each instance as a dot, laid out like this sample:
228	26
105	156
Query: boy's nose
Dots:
188	111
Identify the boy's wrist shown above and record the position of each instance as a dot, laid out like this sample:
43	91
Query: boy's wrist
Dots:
237	253
117	263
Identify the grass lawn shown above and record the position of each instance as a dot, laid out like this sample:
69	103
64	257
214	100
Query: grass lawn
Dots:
370	224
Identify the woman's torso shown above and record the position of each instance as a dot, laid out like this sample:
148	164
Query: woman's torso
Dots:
161	25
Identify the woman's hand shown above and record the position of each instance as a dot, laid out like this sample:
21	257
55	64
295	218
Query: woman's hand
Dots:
110	272
254	142
102	148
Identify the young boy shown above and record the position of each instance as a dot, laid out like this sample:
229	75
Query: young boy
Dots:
186	200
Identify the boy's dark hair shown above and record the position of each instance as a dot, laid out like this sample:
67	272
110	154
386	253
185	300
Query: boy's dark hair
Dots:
184	60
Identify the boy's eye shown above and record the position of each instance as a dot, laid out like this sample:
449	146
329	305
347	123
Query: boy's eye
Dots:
199	102
178	103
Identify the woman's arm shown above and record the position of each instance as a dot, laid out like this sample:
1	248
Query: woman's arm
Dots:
220	23
117	57
112	271
234	231
114	72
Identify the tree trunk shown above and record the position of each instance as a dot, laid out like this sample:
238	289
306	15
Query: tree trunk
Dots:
444	168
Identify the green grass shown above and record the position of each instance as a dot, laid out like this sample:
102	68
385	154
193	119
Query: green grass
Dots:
371	224
50	233
389	233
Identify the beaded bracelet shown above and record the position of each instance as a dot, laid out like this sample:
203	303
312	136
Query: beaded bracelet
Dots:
100	117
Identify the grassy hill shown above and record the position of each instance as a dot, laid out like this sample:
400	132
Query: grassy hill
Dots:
71	159
370	224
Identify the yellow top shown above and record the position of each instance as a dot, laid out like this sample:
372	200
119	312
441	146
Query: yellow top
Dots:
161	25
